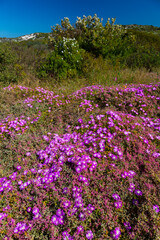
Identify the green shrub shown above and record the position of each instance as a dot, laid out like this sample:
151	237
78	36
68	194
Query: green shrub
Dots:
144	58
146	39
144	52
8	59
65	61
109	40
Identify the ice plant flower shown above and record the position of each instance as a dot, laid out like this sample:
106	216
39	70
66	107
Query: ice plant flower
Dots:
118	204
124	175
66	236
116	196
127	226
36	216
60	212
54	220
29	209
66	204
28	154
156	208
35	210
115	234
138	192
18	167
82	216
89	234
80	229
131	174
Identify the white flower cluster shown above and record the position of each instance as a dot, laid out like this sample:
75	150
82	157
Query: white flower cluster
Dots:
72	42
88	22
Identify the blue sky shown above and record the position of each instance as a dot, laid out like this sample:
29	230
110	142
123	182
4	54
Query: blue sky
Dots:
20	17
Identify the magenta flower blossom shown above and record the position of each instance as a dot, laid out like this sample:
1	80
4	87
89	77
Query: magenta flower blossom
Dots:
138	192
125	174
66	204
80	120
29	209
116	196
118	204
156	208
131	174
25	172
35	210
18	167
28	154
20	227
82	216
66	235
60	212
37	216
127	226
3	215
89	234
6	208
115	234
132	185
60	220
90	207
45	138
80	228
55	220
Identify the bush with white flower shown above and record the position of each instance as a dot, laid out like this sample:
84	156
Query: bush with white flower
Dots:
65	61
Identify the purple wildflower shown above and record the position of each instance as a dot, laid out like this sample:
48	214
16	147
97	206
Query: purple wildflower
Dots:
28	154
80	228
116	196
131	174
29	209
127	226
66	204
124	175
156	208
54	220
118	204
138	192
60	212
35	210
115	234
18	167
82	216
89	234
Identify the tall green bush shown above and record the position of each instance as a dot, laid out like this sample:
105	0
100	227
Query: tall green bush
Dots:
64	61
109	40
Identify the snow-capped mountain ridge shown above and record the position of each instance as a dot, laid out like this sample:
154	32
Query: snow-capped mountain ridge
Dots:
26	37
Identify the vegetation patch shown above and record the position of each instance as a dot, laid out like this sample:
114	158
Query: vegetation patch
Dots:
80	166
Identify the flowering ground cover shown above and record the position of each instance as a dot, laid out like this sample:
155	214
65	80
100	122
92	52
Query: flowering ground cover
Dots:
82	166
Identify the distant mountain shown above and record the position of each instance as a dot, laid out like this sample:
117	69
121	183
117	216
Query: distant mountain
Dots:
146	28
31	36
38	36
